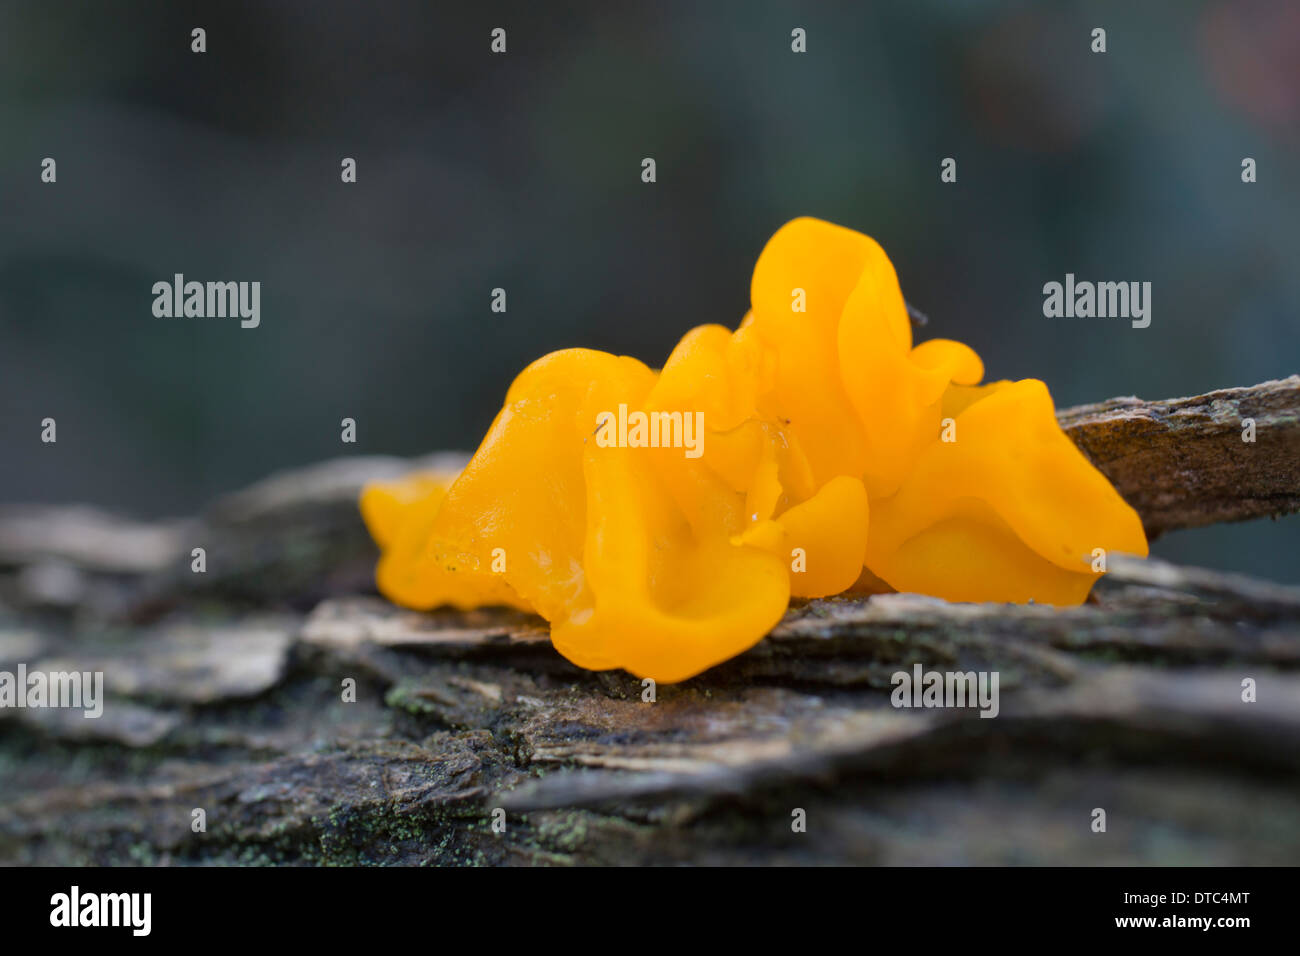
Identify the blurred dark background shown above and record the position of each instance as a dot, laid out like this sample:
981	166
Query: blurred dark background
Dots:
522	171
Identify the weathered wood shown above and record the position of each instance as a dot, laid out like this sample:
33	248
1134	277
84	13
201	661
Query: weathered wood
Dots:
1182	463
224	693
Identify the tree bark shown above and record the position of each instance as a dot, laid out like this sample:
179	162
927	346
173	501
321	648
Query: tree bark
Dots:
1185	462
225	693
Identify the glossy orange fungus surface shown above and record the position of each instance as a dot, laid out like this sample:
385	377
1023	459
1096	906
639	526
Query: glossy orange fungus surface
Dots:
661	521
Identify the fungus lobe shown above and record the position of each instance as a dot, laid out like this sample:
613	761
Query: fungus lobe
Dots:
832	446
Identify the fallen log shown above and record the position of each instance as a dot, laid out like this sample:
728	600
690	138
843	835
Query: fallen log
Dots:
1171	702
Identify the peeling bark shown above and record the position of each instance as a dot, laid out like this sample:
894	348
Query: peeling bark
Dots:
1182	463
224	692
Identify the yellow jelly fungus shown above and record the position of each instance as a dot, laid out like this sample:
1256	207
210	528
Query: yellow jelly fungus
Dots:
661	521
